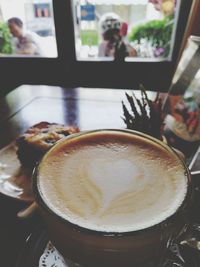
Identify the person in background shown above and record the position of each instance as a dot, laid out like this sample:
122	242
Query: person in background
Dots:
25	43
113	32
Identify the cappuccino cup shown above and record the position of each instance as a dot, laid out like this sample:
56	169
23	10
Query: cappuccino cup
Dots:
112	197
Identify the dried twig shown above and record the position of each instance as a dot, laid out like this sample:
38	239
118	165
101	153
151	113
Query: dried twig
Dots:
146	115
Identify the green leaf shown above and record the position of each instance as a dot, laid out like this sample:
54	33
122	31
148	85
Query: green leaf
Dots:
158	32
6	39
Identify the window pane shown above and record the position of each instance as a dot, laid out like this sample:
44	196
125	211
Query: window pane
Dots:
27	28
137	30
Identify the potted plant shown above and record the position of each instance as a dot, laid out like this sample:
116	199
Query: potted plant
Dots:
145	115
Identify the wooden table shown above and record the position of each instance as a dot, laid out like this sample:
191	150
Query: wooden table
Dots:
87	108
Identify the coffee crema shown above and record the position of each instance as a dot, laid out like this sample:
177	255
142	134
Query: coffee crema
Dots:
112	181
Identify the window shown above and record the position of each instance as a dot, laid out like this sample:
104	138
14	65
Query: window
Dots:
72	35
27	28
163	23
146	27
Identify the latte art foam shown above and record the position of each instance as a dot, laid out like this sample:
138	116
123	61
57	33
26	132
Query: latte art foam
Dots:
112	181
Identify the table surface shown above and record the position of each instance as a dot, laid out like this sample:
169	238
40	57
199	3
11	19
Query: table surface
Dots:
87	108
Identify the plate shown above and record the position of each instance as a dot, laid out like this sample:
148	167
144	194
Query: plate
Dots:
15	180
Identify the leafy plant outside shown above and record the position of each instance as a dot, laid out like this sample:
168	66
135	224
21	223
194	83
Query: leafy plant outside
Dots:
157	32
5	39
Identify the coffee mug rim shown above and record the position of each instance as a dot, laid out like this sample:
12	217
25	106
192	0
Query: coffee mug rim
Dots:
41	202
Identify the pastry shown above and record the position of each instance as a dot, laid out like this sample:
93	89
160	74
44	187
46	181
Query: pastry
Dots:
38	139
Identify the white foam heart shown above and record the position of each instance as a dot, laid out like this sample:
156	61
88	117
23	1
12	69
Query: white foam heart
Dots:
120	176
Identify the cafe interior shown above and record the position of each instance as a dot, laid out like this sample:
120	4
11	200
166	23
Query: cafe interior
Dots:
145	79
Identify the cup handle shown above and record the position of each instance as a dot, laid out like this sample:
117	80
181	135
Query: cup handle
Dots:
28	211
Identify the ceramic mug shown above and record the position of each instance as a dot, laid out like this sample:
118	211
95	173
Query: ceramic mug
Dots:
94	247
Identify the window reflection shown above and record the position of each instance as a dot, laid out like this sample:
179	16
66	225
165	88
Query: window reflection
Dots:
131	29
27	28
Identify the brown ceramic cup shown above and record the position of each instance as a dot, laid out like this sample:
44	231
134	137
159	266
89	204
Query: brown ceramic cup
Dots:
94	248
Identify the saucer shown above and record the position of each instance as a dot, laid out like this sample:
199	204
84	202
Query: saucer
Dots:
15	180
38	251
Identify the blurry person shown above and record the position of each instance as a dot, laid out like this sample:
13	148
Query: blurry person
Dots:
25	43
123	33
113	31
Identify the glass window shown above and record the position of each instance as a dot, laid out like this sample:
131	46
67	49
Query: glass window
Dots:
134	30
27	28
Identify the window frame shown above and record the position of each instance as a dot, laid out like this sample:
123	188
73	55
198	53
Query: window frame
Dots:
153	75
66	70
